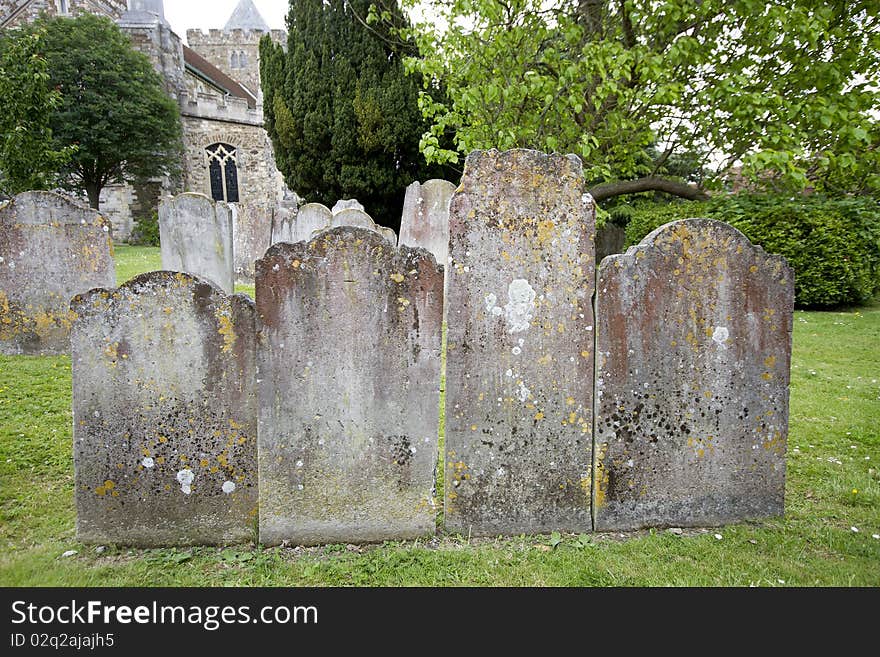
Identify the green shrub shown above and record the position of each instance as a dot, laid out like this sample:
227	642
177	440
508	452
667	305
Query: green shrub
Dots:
146	231
833	245
646	217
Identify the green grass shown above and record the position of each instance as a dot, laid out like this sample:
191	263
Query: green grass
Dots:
134	260
832	485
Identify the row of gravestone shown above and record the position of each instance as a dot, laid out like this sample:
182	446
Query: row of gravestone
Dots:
314	413
197	234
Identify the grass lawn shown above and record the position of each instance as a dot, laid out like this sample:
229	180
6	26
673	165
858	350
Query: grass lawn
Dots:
828	536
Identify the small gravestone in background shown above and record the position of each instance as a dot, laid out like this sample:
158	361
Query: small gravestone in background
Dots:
425	220
284	219
519	373
310	218
51	248
347	204
164	412
359	219
694	350
349	365
196	238
251	236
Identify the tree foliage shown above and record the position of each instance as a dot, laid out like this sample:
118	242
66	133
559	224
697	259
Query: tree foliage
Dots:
786	90
113	106
29	158
341	111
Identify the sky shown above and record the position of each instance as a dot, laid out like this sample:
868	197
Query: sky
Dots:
185	15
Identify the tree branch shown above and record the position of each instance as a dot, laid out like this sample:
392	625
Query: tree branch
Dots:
647	184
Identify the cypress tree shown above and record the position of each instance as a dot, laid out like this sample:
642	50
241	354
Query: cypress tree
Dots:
342	114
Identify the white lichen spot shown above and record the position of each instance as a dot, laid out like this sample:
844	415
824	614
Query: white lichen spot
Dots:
228	487
516	351
148	462
185	477
508	373
520	305
523	393
491	300
720	335
275	267
299	464
299	486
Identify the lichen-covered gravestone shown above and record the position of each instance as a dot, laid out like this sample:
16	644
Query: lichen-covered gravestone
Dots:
196	237
165	414
425	220
694	349
251	236
51	248
519	373
349	367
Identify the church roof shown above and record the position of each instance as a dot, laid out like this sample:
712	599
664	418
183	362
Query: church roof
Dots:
201	67
246	16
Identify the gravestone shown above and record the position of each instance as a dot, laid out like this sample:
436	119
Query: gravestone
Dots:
347	204
195	234
284	221
360	219
251	236
425	220
349	389
694	350
51	248
519	373
311	217
165	415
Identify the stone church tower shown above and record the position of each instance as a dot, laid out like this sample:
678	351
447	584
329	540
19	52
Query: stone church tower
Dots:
216	82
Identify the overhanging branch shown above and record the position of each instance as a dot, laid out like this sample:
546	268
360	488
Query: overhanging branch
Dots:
647	184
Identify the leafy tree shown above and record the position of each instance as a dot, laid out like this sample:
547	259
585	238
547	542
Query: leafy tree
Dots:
113	106
784	89
28	156
341	111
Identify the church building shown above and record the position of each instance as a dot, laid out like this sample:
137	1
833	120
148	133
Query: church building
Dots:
215	79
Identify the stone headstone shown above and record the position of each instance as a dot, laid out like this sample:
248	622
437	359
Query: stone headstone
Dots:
195	234
360	219
347	204
694	348
425	220
519	373
311	217
251	236
51	248
165	415
349	389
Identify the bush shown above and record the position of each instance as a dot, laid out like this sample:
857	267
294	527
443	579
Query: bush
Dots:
833	245
146	231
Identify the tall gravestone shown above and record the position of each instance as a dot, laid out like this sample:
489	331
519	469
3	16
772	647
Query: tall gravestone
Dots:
165	414
51	248
519	372
694	350
349	389
251	236
195	234
425	219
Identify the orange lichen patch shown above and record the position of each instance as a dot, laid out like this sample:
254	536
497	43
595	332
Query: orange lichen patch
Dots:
601	476
770	361
227	331
539	415
767	376
106	487
397	277
545	231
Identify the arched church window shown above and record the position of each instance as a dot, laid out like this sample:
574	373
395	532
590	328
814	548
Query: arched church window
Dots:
63	7
242	59
223	172
234	62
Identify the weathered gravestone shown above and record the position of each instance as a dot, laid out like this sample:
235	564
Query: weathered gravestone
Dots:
311	218
694	347
195	234
347	204
51	248
519	375
165	414
360	219
349	389
251	236
425	220
284	221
